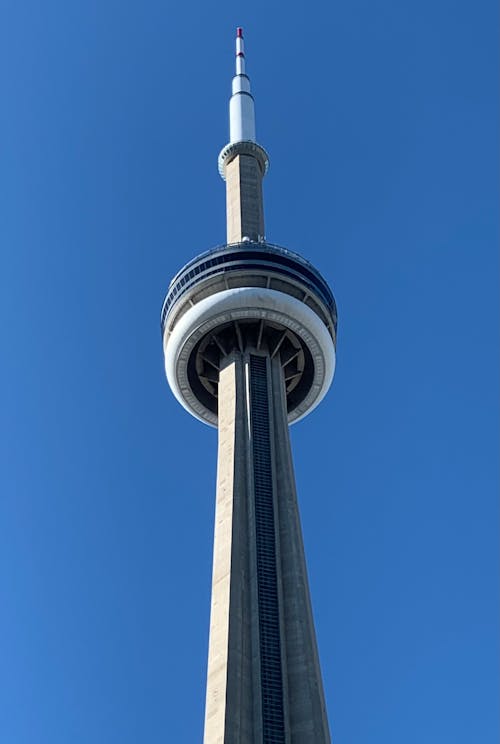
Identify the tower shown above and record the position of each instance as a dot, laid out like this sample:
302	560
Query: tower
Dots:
249	332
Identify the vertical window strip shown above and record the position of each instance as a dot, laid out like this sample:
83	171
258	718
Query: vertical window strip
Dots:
267	579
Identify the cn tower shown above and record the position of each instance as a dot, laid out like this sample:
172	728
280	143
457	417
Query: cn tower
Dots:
249	333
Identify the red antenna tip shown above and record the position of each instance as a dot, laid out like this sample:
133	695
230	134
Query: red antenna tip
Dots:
239	32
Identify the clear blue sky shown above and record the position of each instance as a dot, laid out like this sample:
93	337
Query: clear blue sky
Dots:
381	122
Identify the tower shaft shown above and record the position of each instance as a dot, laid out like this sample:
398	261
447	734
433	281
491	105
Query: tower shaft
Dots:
244	204
264	683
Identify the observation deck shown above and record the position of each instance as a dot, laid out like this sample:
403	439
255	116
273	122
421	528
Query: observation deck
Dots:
248	296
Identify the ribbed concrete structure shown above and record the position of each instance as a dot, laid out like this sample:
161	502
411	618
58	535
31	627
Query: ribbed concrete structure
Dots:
264	682
249	333
245	213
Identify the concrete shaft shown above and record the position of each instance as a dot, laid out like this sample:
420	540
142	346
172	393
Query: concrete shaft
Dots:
245	211
264	682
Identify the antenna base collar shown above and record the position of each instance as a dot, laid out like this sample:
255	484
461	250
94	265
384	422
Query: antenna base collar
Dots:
246	147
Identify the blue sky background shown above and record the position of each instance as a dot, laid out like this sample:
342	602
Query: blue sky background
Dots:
381	121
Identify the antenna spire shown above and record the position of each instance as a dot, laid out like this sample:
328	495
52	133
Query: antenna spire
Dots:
242	162
240	52
241	105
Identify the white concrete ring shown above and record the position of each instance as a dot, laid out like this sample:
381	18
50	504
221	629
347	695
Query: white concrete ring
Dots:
239	304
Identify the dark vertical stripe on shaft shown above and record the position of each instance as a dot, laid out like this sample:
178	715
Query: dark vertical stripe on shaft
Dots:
267	580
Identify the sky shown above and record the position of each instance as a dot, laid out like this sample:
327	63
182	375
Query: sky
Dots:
381	122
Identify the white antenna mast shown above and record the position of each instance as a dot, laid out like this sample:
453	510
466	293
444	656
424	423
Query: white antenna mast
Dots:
241	104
